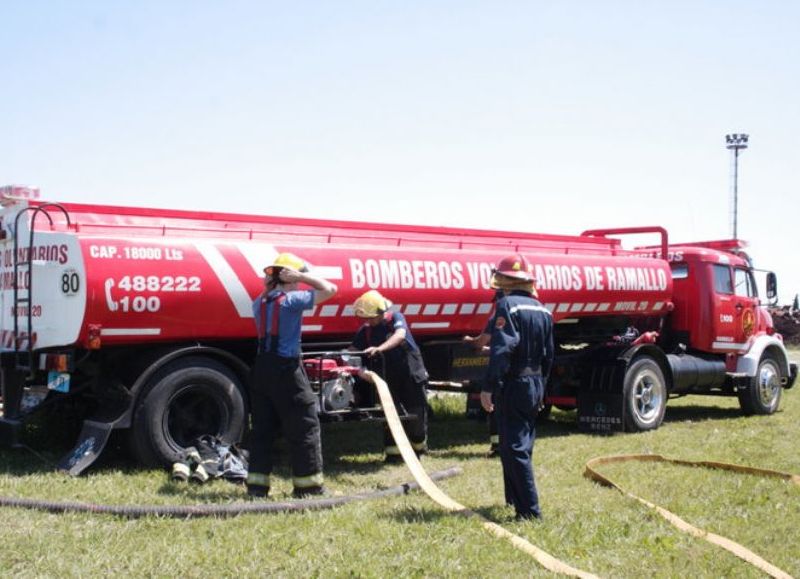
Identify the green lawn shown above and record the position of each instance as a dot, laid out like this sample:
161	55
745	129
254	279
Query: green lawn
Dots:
587	526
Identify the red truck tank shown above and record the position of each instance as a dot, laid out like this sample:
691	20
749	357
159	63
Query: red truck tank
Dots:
145	314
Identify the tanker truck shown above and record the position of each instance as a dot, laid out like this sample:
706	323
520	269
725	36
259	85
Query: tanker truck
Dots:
142	318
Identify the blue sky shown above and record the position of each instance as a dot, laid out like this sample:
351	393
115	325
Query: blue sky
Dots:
553	116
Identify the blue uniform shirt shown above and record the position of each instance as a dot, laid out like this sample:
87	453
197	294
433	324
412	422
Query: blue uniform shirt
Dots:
522	336
378	335
290	318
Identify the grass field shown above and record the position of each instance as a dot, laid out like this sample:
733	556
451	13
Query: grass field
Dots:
587	526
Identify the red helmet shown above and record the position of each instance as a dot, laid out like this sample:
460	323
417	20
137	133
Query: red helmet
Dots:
515	266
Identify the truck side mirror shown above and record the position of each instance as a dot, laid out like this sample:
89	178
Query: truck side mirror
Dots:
772	288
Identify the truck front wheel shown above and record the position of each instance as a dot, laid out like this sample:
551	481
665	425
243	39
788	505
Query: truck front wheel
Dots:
188	398
645	394
763	394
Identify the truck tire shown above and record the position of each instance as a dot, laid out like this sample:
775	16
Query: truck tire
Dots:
763	394
645	395
188	398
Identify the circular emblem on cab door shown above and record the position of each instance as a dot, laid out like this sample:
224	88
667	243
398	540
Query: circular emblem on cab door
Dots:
748	323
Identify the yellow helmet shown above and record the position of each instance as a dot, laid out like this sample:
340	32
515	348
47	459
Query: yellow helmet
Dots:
282	260
371	304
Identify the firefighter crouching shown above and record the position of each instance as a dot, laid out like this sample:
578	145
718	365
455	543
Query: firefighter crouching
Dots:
386	332
281	398
520	359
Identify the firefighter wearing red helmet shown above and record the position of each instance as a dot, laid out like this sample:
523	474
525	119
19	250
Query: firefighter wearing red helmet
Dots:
520	359
281	398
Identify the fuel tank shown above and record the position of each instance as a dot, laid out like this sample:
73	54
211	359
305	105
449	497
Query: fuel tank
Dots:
133	275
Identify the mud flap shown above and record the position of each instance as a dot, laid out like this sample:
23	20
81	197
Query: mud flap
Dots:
601	400
10	432
91	442
792	375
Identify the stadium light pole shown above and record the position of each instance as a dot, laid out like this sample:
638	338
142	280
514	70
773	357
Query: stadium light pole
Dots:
735	142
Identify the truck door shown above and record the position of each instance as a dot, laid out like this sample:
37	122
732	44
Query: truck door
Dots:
745	301
724	322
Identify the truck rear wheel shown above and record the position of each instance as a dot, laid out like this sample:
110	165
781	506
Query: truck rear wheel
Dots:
188	398
763	394
645	395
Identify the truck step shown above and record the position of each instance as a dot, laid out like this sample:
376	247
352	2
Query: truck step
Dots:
737	379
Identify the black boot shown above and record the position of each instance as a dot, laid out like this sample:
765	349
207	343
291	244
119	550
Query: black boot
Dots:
306	492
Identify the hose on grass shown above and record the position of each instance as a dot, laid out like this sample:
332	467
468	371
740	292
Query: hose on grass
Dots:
434	492
217	510
740	551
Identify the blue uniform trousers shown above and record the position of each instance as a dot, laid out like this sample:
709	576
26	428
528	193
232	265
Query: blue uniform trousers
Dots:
517	405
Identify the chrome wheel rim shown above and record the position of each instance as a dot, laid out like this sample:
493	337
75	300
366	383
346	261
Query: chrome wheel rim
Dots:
769	383
648	396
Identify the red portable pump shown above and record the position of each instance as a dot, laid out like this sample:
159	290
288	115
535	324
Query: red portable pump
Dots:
145	314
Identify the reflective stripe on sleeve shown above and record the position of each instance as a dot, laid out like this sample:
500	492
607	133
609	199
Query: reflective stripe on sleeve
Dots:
494	439
417	446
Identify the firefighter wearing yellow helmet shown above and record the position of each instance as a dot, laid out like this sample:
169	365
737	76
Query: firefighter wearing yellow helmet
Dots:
386	333
281	399
520	358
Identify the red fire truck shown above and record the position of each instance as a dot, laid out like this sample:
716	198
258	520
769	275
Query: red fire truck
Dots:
143	317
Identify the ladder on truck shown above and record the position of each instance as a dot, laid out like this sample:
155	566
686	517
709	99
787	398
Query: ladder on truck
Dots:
23	357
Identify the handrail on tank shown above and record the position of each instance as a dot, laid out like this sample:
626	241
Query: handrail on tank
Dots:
43	208
632	231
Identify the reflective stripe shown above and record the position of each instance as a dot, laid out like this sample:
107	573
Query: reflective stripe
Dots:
180	468
257	479
494	439
728	346
328	311
200	473
536	308
392	450
312	480
417	445
430	310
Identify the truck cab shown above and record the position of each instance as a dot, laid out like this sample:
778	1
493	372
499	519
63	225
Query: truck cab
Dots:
717	306
719	317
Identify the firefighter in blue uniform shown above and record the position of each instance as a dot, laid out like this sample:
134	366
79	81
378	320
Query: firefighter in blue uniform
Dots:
386	332
520	359
281	399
